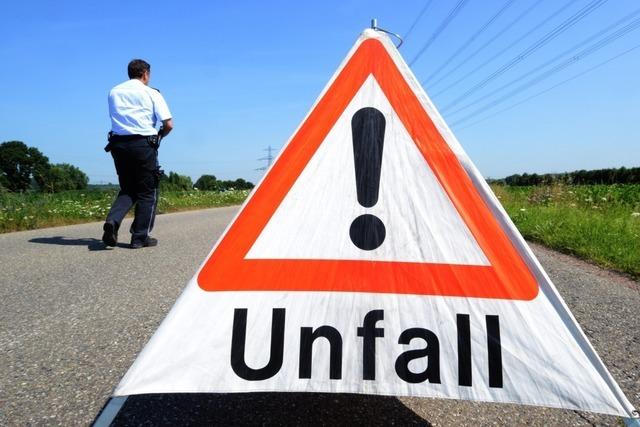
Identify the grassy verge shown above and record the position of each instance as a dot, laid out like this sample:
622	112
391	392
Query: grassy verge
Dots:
34	210
600	223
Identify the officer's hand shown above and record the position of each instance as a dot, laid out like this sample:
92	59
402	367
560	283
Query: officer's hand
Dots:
167	126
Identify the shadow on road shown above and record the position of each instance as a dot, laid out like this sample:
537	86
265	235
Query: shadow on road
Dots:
265	409
91	243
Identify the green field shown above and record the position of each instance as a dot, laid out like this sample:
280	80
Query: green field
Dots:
25	211
600	223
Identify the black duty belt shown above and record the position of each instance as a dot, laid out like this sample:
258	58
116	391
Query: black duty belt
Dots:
125	138
113	138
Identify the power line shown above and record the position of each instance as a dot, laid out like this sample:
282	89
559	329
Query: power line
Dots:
422	12
551	61
570	61
542	92
443	25
568	23
512	44
488	42
470	39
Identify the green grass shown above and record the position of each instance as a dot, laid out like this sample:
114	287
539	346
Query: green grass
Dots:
26	211
600	223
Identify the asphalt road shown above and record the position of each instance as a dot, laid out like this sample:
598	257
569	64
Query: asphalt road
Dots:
73	316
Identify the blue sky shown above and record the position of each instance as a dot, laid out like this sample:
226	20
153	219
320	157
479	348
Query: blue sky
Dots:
240	76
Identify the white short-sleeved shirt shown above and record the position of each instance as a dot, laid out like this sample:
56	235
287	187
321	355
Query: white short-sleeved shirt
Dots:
135	108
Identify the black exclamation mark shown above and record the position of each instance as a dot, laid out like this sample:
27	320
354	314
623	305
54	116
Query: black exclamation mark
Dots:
367	126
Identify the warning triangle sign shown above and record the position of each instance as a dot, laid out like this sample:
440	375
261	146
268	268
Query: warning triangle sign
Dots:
373	258
436	234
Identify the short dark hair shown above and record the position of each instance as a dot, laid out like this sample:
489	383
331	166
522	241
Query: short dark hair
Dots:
137	67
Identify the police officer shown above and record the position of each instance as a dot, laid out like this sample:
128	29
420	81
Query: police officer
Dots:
136	109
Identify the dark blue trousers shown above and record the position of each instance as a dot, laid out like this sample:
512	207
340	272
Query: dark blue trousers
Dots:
136	164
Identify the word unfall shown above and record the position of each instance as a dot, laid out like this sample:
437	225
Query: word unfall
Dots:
369	332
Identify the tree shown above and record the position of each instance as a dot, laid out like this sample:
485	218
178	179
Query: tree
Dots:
241	184
19	163
175	182
211	183
207	183
64	177
226	185
608	176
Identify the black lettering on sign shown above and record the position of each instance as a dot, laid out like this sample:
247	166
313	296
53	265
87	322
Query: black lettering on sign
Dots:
432	351
238	343
464	350
494	350
369	333
307	337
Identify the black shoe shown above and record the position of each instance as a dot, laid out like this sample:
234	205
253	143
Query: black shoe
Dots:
146	244
110	236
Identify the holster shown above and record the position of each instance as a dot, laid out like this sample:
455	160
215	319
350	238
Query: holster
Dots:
107	147
154	141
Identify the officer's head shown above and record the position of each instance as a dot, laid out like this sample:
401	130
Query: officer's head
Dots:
139	69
